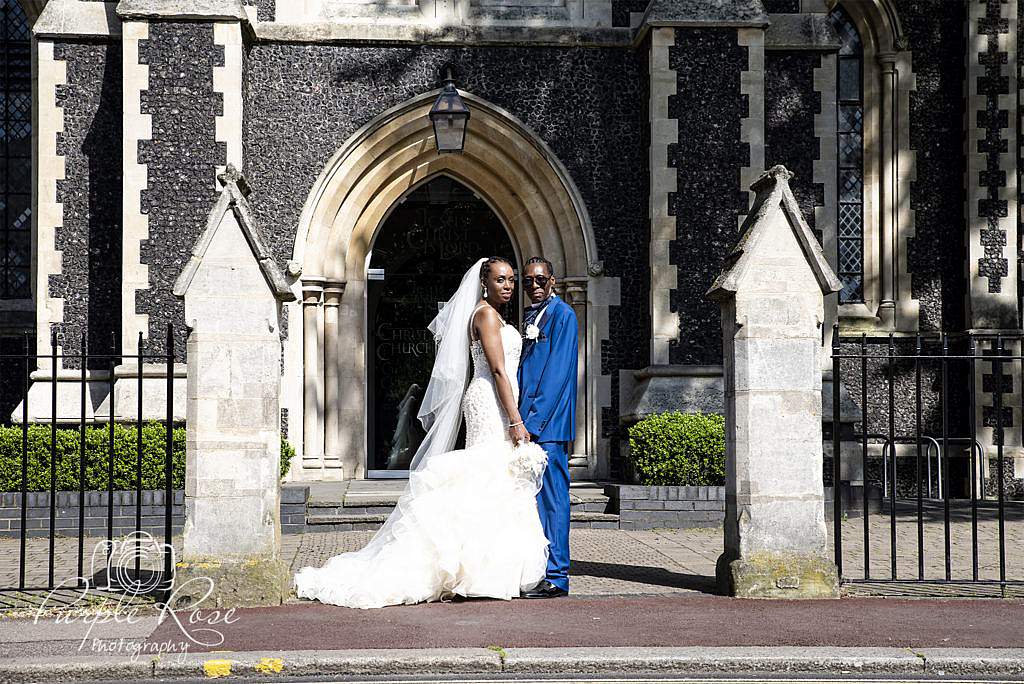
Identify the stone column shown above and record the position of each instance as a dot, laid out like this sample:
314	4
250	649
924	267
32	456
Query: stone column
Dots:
137	126
49	74
887	247
752	125
825	174
993	214
227	81
332	385
991	166
771	297
580	460
182	126
312	411
233	291
664	134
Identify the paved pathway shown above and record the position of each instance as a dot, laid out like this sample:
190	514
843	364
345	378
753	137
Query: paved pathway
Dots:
933	541
605	562
620	562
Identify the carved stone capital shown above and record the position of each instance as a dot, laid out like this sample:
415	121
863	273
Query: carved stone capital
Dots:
575	291
887	60
312	288
333	291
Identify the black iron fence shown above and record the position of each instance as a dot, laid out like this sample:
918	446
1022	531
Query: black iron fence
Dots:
938	413
108	473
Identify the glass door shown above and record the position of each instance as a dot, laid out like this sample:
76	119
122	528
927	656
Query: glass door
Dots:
417	262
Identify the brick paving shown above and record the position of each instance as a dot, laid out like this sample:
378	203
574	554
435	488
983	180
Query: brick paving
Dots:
65	566
934	541
605	562
623	562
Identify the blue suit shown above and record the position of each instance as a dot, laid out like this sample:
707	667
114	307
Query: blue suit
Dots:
547	403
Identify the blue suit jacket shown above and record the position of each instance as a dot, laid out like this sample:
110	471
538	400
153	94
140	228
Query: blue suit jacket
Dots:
547	376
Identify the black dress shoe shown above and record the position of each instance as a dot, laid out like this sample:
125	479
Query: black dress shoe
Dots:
544	590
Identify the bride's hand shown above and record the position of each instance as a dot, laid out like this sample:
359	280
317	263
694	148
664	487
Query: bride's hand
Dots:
519	434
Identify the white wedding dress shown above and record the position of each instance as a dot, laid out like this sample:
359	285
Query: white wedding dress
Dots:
466	524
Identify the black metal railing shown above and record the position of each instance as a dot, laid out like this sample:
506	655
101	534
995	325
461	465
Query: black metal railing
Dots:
922	392
135	578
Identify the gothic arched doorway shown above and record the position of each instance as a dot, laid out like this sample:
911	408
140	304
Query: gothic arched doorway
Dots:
361	186
418	258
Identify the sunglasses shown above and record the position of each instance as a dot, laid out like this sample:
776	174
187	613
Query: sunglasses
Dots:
540	280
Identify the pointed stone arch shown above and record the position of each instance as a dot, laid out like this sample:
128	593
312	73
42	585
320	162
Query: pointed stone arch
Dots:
511	169
879	23
889	169
503	161
32	9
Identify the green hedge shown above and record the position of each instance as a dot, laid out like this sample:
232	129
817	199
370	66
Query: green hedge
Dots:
96	457
679	449
287	452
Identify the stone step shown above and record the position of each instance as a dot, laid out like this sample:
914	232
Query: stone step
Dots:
590	516
365	505
383	507
345	518
593	505
339	508
375	496
365	519
520	14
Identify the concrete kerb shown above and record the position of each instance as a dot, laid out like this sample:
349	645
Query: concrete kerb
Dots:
536	661
969	661
63	669
367	662
709	660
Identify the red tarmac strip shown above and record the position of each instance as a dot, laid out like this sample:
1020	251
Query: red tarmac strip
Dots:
626	621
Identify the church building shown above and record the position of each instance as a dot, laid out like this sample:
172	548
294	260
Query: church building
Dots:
617	138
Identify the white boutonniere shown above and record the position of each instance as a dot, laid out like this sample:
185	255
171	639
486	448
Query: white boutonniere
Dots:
532	332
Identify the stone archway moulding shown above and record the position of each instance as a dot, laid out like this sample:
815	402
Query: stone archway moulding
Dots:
514	172
32	9
886	29
504	161
889	168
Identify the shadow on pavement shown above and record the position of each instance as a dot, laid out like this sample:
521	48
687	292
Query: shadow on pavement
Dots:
635	574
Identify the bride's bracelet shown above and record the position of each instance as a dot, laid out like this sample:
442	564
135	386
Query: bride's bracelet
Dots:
512	425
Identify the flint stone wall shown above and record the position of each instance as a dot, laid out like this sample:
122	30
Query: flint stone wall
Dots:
303	101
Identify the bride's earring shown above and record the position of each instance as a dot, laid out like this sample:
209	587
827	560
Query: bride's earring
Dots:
485	292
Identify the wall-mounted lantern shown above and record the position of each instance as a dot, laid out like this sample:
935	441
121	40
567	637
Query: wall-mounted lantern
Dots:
450	116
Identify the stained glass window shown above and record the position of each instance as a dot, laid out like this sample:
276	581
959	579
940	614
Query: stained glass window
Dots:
16	156
850	129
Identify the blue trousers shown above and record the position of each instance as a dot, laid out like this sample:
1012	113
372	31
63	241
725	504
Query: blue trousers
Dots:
553	506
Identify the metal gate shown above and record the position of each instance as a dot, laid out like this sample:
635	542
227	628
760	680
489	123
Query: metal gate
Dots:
89	502
924	492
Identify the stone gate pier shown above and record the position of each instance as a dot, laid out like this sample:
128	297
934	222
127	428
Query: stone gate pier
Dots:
233	292
771	293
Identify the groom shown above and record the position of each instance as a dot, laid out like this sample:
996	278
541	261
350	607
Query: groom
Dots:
547	403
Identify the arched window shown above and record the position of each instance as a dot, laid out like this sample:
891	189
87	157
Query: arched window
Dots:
850	156
16	141
870	230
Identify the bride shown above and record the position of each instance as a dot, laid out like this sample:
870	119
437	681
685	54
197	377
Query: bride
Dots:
467	521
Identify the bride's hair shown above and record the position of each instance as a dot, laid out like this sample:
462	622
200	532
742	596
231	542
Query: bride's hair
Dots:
485	268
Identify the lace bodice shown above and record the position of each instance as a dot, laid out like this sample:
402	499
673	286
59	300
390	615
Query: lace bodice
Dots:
485	418
513	345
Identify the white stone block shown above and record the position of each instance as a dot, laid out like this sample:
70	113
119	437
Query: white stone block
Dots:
776	364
